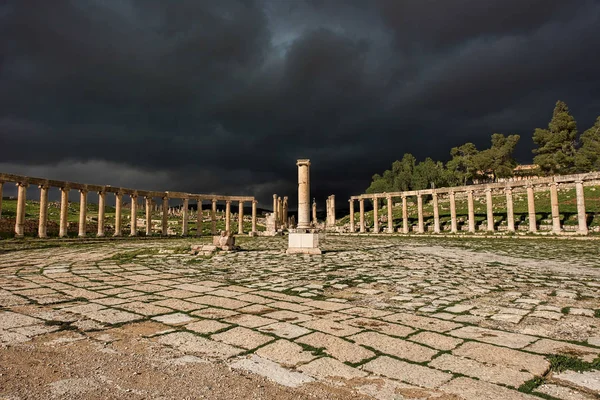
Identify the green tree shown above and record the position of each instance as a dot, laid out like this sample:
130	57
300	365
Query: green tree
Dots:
429	172
462	166
402	172
497	161
556	145
588	155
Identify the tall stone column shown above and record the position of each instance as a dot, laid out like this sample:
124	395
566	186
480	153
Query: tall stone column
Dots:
490	209
199	217
241	215
332	212
133	223
1	188
101	211
185	218
118	214
43	222
453	222
510	214
165	216
280	212
303	194
531	208
64	211
228	216
581	216
21	204
471	209
213	217
554	206
436	213
285	211
82	213
421	225
352	227
314	213
404	215
361	209
375	215
254	202
275	215
148	216
390	215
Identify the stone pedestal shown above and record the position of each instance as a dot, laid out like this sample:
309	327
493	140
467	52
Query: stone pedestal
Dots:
303	243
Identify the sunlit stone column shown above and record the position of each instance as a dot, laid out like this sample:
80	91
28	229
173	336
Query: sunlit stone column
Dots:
404	215
165	216
421	226
554	206
43	222
361	209
314	213
531	208
303	194
118	214
581	216
82	212
228	216
285	211
351	203
390	215
148	216
275	215
436	213
332	208
213	217
64	210
185	218
241	215
453	223
510	214
490	209
199	217
375	215
101	211
471	209
133	218
280	212
254	202
1	188
21	203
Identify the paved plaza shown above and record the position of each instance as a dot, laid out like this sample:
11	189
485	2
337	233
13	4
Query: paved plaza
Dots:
372	317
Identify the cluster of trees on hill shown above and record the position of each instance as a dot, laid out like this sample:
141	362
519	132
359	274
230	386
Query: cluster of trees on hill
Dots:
559	151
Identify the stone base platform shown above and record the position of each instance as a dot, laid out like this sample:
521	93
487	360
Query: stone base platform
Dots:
303	243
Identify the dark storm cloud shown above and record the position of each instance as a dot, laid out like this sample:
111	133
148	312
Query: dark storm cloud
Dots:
210	96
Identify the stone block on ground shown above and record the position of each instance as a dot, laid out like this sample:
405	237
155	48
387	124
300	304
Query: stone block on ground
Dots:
407	372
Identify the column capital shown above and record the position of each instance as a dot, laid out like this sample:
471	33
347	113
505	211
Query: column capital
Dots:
553	183
487	189
165	197
148	197
508	189
529	185
22	184
83	191
133	195
254	201
44	186
214	200
227	201
579	181
275	196
470	191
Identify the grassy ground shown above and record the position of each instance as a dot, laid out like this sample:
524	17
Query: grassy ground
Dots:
566	198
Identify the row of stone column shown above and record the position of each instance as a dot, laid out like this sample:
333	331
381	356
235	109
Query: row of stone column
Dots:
64	201
556	227
280	211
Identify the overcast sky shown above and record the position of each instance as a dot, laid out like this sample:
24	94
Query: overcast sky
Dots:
224	96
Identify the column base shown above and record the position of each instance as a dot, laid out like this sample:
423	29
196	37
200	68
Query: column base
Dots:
100	235
303	243
252	234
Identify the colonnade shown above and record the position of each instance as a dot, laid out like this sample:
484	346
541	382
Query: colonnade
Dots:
280	211
44	185
530	187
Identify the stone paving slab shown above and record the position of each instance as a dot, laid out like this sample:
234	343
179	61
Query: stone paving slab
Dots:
284	330
419	322
381	326
329	369
192	344
338	348
286	353
436	340
330	327
470	389
395	347
514	359
587	380
271	371
206	326
501	338
406	372
242	337
476	369
547	346
562	392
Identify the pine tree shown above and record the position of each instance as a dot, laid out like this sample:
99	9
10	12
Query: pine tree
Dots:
556	145
588	155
